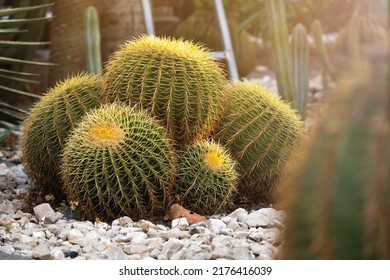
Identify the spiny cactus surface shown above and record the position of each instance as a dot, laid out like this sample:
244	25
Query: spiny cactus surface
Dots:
175	80
46	129
206	177
118	161
260	130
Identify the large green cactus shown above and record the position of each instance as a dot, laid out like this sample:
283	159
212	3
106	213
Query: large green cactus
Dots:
118	161
175	80
260	131
206	177
336	190
48	124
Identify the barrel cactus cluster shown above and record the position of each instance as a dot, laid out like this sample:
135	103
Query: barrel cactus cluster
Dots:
161	125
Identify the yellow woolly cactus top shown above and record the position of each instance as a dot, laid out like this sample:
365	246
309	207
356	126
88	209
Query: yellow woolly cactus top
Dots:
213	160
106	134
168	46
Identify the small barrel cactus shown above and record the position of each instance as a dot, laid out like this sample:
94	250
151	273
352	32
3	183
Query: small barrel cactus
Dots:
175	80
118	161
206	177
47	127
337	192
260	130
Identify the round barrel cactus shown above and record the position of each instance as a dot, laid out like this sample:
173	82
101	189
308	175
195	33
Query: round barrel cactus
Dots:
206	177
47	127
175	80
118	161
260	130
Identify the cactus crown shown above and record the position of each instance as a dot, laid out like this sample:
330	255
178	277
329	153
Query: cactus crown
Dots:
105	134
213	160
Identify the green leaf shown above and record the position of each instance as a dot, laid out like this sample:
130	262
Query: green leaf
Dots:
21	61
19	79
12	30
13	22
12	11
24	93
18	73
21	43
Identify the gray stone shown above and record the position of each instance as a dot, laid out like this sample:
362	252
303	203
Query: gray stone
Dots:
145	225
242	253
122	222
38	235
136	249
6	220
179	255
8	249
221	251
170	247
215	225
179	233
44	212
138	237
3	169
57	254
256	236
179	222
41	252
257	219
7	207
75	236
239	214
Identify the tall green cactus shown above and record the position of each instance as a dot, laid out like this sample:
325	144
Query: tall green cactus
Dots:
118	161
300	60
336	190
260	130
175	80
281	51
92	40
317	34
46	128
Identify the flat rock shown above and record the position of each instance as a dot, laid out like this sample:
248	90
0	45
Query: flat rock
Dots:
257	219
46	213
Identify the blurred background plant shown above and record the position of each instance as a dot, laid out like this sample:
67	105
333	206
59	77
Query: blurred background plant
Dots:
22	25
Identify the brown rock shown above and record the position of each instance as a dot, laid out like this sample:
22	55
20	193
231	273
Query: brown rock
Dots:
177	211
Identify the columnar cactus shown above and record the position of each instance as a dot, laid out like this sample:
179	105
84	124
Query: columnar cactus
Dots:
336	191
300	61
175	80
118	161
46	129
206	177
92	40
260	131
281	51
